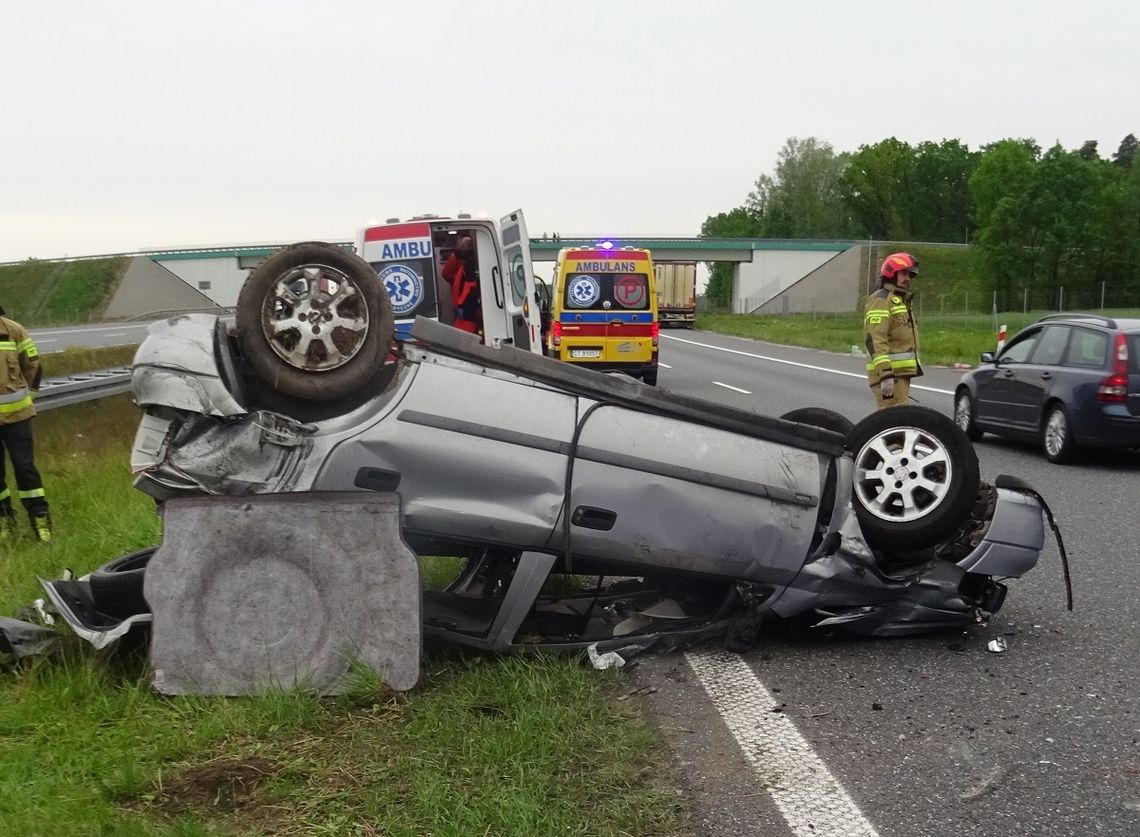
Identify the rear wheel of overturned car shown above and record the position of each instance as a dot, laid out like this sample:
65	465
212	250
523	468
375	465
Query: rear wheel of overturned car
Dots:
314	321
117	586
916	477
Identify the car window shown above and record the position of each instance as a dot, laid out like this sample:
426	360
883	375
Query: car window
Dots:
1134	353
1018	351
1088	349
1051	347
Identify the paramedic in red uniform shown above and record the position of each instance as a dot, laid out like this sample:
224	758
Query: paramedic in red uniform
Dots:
461	272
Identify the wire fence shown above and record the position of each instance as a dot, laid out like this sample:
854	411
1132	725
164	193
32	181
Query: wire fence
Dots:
963	304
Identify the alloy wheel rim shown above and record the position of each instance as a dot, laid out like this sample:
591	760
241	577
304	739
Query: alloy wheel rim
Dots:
962	412
1055	430
903	474
315	318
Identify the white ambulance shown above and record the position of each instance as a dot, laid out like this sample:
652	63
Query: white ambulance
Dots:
409	257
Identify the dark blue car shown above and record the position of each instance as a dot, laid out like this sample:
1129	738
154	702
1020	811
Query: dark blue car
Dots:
1068	381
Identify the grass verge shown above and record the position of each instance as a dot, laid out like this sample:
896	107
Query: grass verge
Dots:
943	340
484	746
85	359
39	293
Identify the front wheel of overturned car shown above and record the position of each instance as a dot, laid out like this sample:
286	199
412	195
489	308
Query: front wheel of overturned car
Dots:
916	477
314	321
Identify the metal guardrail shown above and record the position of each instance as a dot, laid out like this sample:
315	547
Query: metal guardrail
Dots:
82	386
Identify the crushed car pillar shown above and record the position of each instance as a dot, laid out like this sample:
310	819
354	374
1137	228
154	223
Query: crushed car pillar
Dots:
281	591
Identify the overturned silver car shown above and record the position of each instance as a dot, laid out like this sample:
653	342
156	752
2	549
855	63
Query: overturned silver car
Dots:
677	516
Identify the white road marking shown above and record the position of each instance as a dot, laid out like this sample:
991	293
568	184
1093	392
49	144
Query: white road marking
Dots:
664	365
858	375
810	799
38	342
84	330
116	334
731	387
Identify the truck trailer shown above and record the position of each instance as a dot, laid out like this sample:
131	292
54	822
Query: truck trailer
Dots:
677	294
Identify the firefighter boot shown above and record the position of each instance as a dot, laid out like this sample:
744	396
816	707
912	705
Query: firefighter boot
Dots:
41	527
7	526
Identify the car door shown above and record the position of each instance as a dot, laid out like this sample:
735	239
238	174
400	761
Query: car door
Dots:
518	290
655	492
1032	382
993	390
629	322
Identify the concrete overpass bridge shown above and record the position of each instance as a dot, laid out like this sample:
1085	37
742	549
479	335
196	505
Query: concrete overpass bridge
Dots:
774	275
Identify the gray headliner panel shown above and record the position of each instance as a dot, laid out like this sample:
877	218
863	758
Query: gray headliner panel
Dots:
282	590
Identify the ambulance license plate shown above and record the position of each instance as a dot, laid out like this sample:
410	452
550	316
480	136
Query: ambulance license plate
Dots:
585	353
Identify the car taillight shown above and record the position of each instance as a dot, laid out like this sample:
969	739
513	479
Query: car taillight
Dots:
556	332
656	332
1114	388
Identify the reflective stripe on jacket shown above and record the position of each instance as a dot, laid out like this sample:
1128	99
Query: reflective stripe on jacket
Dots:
890	335
19	372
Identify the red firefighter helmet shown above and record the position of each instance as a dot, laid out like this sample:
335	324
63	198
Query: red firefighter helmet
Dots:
896	263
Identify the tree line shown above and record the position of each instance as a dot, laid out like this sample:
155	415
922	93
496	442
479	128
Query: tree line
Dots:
1046	224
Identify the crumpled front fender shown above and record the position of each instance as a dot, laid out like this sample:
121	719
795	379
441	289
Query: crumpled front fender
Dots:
177	366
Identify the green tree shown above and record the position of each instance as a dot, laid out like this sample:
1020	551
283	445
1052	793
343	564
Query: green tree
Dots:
1000	189
802	199
942	209
740	222
1126	152
877	187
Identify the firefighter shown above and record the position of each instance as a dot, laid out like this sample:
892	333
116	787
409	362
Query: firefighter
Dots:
19	377
890	333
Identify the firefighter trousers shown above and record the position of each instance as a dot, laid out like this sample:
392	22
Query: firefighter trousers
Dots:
16	440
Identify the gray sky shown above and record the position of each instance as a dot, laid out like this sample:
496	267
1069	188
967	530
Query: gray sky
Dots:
136	124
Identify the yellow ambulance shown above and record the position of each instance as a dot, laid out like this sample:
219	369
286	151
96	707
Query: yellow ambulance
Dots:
604	310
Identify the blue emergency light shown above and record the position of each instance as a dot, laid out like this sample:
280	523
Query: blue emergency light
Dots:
606	245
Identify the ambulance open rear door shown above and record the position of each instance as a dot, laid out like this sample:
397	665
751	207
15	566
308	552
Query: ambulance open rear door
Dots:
517	287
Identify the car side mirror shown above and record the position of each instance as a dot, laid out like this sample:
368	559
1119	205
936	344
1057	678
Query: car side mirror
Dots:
987	357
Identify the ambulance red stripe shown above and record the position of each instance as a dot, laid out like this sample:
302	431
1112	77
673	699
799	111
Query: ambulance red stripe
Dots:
397	231
570	330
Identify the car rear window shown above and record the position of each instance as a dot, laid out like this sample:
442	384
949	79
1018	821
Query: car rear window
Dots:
1088	348
1134	353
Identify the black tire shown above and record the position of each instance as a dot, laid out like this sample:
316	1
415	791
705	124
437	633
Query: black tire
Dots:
650	378
965	414
821	417
1057	435
942	491
351	338
117	586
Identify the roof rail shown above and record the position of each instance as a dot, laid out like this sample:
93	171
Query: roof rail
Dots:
1103	320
